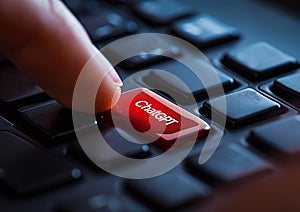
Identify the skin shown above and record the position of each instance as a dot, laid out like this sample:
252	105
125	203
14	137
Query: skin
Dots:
45	40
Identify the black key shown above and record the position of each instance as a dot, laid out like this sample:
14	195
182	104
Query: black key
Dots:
227	164
103	203
288	88
15	86
51	118
149	58
124	147
81	8
25	169
205	31
107	26
168	191
125	2
171	84
145	51
259	61
243	107
278	137
116	142
76	6
163	12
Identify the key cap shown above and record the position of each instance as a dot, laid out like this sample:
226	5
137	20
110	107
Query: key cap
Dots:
288	88
259	61
25	169
278	137
76	6
116	142
147	51
170	84
162	12
107	26
128	3
168	192
157	117
205	31
228	164
14	86
132	151
243	108
99	202
124	147
51	118
149	58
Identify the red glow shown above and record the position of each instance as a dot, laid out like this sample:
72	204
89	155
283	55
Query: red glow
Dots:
154	115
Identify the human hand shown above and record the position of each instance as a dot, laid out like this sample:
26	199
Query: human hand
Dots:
45	40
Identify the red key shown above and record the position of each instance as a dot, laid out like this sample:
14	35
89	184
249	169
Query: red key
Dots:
157	117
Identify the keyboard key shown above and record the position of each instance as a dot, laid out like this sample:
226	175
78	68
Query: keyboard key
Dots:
128	3
173	84
157	117
116	142
227	164
124	147
25	169
243	107
76	6
168	192
278	137
147	51
101	202
288	88
162	12
107	26
205	31
82	8
259	61
15	86
50	118
149	58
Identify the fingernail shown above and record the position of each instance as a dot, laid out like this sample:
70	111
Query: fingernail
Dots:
116	97
115	77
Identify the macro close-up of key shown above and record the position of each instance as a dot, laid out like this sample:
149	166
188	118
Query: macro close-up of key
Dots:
157	117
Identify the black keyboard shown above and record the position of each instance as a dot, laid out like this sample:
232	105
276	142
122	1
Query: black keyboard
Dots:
254	48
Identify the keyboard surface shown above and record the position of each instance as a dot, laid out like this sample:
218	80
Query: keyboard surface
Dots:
43	167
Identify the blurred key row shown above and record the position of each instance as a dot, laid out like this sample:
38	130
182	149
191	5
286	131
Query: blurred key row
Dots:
43	171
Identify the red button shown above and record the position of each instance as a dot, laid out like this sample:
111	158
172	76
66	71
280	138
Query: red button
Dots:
157	117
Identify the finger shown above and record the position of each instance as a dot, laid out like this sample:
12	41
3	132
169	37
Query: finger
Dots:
49	44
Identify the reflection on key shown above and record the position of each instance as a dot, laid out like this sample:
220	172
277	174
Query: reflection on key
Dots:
107	26
288	88
142	52
146	58
156	117
162	12
205	31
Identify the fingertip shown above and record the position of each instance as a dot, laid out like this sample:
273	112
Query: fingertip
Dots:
116	97
105	101
115	77
109	92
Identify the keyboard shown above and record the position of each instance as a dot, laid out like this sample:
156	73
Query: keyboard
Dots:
252	45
